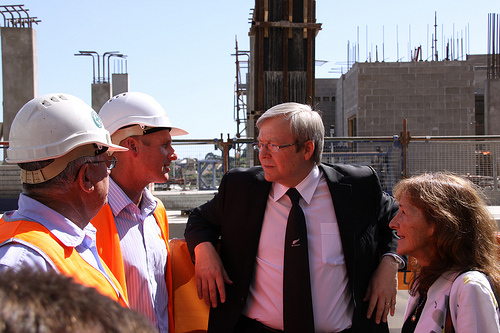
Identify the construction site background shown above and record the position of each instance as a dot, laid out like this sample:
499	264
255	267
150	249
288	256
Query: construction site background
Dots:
196	175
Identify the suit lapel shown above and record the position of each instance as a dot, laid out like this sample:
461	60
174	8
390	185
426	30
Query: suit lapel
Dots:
259	189
253	217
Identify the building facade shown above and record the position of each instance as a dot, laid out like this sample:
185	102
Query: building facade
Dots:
436	98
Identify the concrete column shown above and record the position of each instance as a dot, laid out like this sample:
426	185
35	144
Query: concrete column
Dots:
101	93
20	72
492	106
120	83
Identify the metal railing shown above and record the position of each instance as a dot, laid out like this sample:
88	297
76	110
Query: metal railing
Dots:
201	163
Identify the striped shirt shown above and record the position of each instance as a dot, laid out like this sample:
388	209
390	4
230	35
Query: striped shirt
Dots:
144	254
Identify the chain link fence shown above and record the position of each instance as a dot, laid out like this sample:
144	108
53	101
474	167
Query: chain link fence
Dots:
201	164
476	160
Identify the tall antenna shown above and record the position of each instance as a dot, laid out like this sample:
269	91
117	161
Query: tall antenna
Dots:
358	45
435	37
397	43
427	42
367	42
409	38
383	43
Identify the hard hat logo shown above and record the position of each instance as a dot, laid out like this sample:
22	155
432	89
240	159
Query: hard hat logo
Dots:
97	119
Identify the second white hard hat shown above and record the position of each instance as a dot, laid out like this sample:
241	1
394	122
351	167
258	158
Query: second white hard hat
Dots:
121	112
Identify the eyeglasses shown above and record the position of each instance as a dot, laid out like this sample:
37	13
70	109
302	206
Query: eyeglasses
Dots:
271	146
110	162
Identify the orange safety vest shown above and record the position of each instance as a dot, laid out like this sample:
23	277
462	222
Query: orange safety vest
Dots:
66	259
108	247
190	312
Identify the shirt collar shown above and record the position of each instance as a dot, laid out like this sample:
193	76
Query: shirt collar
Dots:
118	200
306	187
61	227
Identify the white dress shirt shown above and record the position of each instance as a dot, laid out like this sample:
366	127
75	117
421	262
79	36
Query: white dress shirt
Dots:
332	303
144	254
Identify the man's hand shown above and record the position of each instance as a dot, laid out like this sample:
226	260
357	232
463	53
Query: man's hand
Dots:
210	274
383	289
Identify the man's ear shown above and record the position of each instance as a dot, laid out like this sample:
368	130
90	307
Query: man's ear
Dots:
132	144
84	179
308	149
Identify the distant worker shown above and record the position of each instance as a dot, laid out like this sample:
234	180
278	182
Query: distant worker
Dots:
61	146
132	235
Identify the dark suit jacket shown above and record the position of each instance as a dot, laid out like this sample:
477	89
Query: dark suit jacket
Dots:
236	213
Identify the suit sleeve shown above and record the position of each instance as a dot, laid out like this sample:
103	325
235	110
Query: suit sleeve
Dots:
387	208
204	222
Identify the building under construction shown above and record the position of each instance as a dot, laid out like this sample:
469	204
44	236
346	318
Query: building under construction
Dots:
447	97
450	93
282	58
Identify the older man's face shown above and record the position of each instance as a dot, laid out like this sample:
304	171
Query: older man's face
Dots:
287	166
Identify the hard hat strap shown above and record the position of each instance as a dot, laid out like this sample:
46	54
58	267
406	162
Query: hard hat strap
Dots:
125	132
128	131
58	166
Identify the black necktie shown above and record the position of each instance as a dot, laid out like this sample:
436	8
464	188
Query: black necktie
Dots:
297	300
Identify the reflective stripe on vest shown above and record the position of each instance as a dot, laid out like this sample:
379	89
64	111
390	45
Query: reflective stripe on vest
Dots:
66	259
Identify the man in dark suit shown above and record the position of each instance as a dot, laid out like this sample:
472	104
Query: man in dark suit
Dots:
352	251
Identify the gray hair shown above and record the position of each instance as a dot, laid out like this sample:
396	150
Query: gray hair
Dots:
62	182
305	124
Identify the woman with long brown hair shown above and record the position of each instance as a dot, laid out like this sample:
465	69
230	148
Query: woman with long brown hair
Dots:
444	223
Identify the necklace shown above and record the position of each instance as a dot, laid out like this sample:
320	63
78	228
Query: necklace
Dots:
421	301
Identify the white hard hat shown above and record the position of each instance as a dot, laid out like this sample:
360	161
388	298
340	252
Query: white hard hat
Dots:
123	111
56	126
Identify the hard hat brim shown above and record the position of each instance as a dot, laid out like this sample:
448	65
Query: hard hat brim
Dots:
113	147
176	131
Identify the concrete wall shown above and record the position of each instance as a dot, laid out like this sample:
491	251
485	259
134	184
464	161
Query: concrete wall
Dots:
437	98
349	100
10	186
20	73
325	102
339	107
479	63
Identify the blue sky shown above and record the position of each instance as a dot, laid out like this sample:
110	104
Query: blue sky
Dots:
180	52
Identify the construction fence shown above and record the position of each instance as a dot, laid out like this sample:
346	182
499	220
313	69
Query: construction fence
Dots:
202	163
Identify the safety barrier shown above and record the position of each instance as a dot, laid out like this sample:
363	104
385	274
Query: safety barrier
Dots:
201	163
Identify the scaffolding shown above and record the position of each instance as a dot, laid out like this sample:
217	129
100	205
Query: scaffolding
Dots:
240	91
283	53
